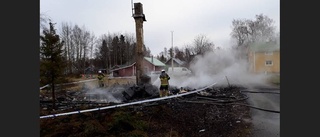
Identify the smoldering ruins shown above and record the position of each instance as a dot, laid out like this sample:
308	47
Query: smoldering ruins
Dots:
222	109
213	111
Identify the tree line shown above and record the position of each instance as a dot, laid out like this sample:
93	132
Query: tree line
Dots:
81	49
244	32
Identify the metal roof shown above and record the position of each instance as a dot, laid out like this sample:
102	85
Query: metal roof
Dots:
155	61
122	67
180	62
265	47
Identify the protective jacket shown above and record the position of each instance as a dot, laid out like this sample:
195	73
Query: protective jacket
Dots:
164	78
100	77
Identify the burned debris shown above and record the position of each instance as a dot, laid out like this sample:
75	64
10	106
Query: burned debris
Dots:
206	113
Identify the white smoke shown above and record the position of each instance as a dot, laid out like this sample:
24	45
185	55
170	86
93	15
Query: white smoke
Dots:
224	66
105	95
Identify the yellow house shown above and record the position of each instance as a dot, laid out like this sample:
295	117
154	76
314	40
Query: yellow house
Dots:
264	58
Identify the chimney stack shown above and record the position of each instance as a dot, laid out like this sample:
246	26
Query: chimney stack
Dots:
152	59
139	18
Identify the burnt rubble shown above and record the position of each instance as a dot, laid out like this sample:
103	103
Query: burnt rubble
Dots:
99	96
117	94
206	113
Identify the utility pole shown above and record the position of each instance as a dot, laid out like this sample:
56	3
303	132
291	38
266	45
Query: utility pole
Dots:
139	17
91	59
172	50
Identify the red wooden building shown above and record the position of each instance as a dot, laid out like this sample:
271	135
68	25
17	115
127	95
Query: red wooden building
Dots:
149	65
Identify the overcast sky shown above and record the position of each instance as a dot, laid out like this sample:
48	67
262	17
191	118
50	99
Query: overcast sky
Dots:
186	18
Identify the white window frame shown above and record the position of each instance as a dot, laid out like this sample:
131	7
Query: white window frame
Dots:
267	63
268	53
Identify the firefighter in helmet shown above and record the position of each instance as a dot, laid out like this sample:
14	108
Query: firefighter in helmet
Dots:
164	86
101	78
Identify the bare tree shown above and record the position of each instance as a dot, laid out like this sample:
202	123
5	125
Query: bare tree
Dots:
80	39
43	20
202	45
92	44
109	40
76	39
66	33
262	28
240	32
247	31
147	51
85	43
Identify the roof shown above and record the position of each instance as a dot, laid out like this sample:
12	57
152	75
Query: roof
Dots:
155	61
122	67
180	62
265	47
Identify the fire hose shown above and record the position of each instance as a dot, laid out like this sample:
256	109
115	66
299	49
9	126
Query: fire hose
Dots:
48	85
126	104
212	101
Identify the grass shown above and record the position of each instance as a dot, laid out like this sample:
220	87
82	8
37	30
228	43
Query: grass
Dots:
107	81
275	79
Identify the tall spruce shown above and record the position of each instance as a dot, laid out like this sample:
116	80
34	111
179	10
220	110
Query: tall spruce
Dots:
51	59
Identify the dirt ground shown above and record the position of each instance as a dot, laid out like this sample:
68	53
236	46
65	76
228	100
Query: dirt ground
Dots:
182	119
179	117
109	81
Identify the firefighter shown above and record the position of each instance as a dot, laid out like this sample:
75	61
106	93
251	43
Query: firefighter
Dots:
101	79
164	86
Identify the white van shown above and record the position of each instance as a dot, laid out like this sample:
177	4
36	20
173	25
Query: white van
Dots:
182	71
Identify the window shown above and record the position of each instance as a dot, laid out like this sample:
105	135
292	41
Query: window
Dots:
268	53
269	63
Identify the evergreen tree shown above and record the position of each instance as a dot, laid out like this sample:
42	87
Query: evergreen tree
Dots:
51	59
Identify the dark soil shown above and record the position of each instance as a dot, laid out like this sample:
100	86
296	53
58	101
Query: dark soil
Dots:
207	114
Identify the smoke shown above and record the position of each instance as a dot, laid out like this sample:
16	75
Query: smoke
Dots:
105	95
224	66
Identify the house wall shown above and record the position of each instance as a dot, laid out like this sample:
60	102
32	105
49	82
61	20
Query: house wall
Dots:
126	72
159	68
257	62
130	71
148	67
